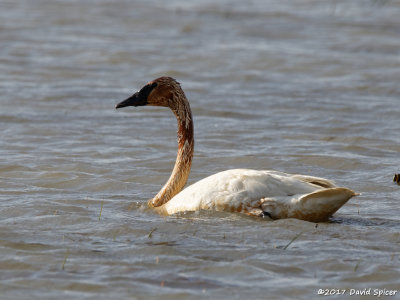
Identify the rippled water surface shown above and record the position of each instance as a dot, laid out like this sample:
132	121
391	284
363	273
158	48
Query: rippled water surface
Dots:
297	86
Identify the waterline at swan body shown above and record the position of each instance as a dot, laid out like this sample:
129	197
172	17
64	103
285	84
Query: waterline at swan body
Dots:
257	193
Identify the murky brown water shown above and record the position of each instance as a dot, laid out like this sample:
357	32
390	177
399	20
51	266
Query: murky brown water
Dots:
304	87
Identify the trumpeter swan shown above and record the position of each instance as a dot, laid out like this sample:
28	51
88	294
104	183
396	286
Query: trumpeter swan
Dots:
257	193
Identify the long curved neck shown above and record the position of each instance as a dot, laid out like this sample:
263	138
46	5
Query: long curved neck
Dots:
180	173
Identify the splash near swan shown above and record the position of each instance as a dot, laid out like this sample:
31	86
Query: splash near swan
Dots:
254	192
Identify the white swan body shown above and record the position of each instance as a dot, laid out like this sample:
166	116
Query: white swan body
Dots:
256	193
261	193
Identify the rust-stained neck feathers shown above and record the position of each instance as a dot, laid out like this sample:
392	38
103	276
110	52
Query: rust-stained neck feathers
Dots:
170	94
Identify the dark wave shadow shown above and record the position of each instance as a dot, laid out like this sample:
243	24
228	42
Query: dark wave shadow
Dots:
364	222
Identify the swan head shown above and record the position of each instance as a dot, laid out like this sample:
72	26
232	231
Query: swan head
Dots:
158	92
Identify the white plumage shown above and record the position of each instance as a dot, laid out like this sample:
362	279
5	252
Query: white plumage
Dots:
261	193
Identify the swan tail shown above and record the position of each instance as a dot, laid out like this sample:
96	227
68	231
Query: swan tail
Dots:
320	205
314	207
